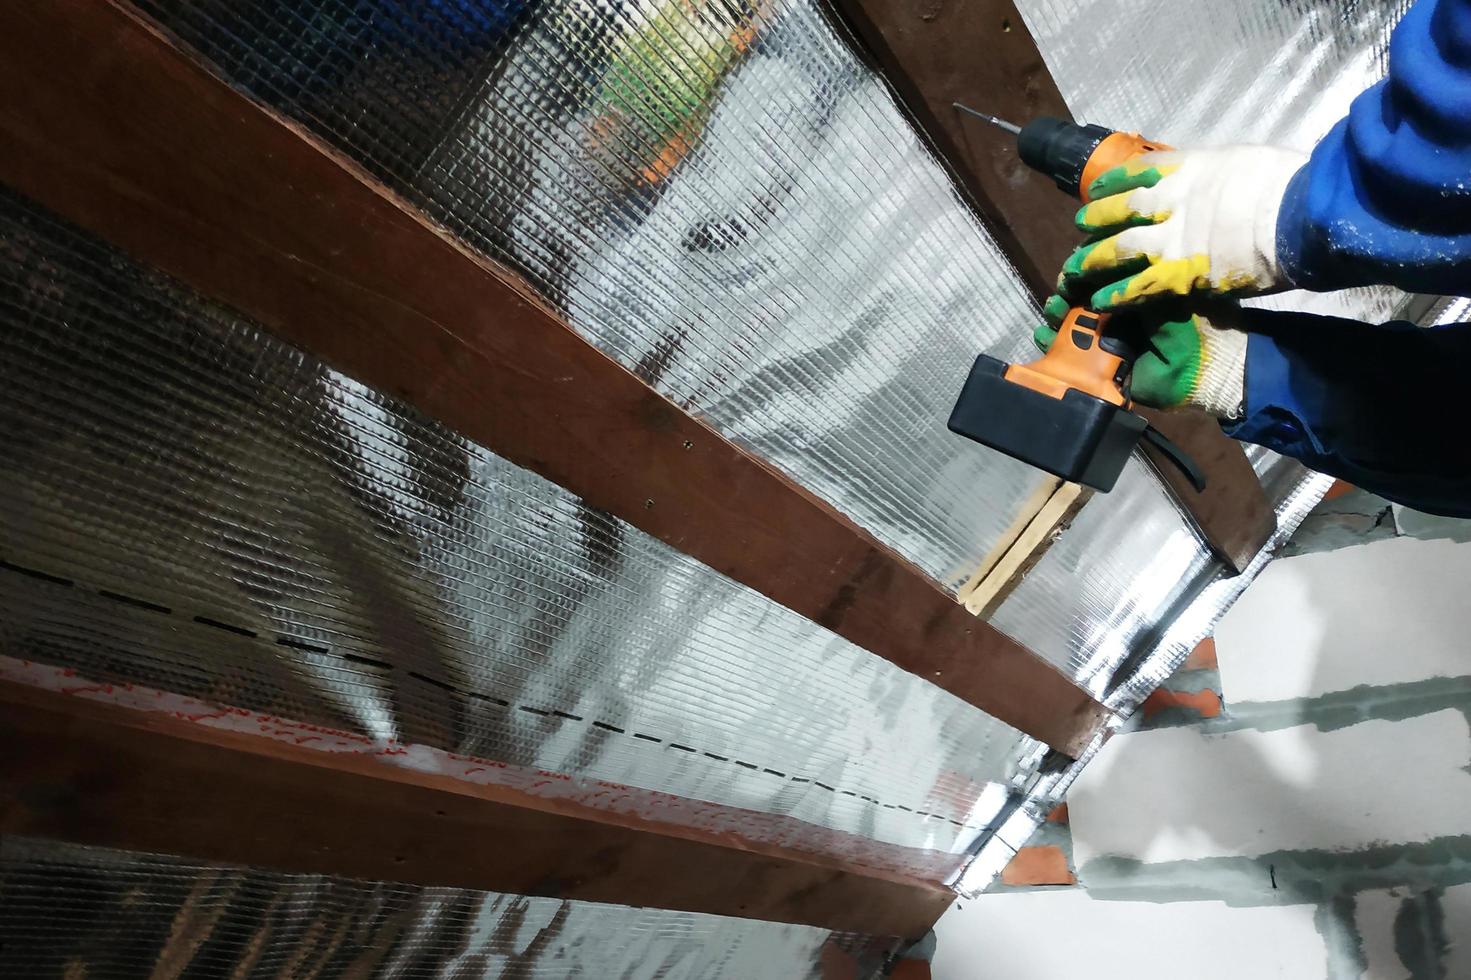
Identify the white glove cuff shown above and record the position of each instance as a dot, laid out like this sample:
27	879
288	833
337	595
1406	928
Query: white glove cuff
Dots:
1277	167
1220	388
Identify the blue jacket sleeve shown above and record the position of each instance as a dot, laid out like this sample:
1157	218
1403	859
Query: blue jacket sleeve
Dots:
1382	406
1386	196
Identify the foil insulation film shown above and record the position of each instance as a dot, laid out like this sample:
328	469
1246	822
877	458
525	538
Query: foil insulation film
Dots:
1122	565
69	911
715	192
190	505
1273	71
724	198
1278	72
1293	492
720	196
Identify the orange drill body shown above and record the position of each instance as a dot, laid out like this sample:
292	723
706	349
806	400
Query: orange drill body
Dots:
1069	411
1078	358
1116	150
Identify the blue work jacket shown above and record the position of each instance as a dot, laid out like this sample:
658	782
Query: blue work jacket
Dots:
1384	199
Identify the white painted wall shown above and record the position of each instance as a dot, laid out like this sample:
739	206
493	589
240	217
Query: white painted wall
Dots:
1059	935
1358	622
1390	612
1375	914
1177	794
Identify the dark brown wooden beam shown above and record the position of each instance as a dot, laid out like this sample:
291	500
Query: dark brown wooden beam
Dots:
979	53
110	776
111	125
1232	515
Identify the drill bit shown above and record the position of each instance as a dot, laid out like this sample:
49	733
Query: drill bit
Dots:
1011	128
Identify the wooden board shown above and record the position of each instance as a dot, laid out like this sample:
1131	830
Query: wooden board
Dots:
104	775
1042	491
109	124
980	53
1041	522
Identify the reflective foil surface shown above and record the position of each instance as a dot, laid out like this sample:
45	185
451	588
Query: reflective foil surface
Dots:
1273	71
719	195
68	911
191	505
723	198
716	193
1114	574
1278	72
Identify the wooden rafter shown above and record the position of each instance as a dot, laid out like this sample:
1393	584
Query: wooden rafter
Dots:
980	53
108	123
111	776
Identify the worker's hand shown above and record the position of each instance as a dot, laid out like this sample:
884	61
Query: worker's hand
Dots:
1183	361
1182	222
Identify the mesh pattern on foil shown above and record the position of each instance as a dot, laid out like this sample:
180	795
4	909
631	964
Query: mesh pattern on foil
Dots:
189	504
715	192
68	911
1281	72
726	200
1277	71
1126	559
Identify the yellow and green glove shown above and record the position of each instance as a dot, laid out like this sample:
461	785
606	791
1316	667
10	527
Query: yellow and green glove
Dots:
1184	359
1182	222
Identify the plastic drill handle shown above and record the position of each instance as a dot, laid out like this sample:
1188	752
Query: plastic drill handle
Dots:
1079	358
1102	373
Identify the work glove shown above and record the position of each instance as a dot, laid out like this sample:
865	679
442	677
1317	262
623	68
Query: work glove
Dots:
1182	222
1184	360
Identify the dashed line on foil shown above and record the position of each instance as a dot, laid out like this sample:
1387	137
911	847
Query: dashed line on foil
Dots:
298	643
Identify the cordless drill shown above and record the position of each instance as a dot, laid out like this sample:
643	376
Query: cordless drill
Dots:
1069	411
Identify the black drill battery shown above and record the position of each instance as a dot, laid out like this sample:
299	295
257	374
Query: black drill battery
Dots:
1077	437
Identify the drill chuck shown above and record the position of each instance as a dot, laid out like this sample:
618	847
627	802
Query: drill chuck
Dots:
1069	412
1060	149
